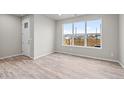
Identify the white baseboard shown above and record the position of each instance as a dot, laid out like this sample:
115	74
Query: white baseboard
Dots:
122	65
42	55
34	58
10	56
88	56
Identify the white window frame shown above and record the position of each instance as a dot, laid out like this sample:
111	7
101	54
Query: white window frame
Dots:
85	42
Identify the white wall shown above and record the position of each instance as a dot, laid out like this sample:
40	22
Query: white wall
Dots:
110	38
44	29
121	38
10	35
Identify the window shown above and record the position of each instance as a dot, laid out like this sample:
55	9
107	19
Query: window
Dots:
79	33
94	33
68	34
26	25
83	33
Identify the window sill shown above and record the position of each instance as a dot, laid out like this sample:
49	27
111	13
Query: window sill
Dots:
81	47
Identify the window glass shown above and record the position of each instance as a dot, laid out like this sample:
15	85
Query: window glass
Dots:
79	33
83	33
26	25
94	33
68	40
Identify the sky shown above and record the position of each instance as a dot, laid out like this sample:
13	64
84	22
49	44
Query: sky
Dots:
79	27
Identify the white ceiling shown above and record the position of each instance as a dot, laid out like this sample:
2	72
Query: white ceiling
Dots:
55	16
62	16
20	15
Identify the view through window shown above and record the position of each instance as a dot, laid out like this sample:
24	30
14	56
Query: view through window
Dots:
79	33
83	33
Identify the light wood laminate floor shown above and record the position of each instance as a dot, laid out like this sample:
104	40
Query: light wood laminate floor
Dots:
57	66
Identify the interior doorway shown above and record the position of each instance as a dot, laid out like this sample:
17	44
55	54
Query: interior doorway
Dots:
26	40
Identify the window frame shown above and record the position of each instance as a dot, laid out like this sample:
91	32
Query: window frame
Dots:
85	41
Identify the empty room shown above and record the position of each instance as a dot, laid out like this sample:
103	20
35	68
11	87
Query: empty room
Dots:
61	46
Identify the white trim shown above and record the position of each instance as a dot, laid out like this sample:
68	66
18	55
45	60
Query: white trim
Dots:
85	37
27	55
42	55
81	47
122	65
10	56
104	59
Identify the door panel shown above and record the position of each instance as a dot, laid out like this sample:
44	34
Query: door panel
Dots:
26	37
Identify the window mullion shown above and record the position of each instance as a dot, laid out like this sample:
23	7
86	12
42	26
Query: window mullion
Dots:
85	42
73	34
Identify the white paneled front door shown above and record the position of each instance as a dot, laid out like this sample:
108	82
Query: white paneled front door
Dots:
26	37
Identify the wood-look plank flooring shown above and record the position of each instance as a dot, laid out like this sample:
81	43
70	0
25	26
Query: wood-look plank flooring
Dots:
59	66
